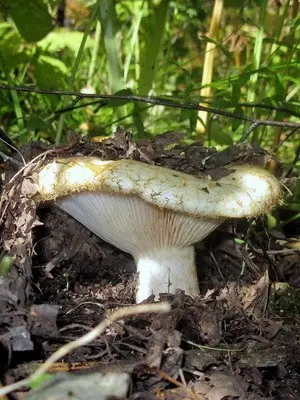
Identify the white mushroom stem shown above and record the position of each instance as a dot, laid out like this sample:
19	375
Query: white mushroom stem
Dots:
159	240
165	270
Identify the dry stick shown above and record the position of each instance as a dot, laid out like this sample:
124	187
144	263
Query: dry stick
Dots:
162	307
191	393
17	174
37	159
208	66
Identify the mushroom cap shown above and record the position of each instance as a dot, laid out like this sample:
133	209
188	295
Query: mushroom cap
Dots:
247	190
155	213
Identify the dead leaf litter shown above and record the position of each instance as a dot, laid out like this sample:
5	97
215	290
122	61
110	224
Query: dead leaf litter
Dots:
238	340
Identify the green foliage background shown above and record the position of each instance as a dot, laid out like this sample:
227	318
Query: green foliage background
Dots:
151	47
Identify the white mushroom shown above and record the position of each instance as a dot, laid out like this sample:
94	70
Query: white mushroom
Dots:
154	213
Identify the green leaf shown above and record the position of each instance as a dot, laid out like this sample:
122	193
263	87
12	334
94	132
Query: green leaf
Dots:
239	241
12	47
191	116
236	91
236	123
119	102
31	18
138	120
60	39
10	40
218	44
36	384
185	113
108	20
219	136
6	263
271	221
36	123
280	93
193	122
222	103
280	43
50	72
154	28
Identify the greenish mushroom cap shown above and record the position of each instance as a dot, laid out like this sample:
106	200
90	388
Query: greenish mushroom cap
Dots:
247	191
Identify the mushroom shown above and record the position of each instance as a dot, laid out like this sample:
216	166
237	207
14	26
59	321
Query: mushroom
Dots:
155	213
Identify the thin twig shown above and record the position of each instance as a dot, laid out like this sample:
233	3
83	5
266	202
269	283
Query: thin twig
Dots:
283	252
271	108
222	349
288	135
9	184
162	307
75	326
84	303
191	393
245	135
72	107
9	143
156	101
296	158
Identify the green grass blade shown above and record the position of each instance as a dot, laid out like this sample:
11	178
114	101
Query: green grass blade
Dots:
154	28
92	67
108	19
75	69
256	57
14	95
134	38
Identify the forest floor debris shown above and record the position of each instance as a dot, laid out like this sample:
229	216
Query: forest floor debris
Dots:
238	340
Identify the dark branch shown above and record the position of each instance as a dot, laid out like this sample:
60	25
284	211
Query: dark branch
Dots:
271	108
100	103
156	101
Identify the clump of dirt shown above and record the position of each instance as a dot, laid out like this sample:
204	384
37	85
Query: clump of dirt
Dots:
231	342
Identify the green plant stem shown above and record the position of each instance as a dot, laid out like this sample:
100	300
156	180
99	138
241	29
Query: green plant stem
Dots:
107	18
256	60
278	32
137	59
134	38
155	26
75	68
225	349
291	219
14	95
94	54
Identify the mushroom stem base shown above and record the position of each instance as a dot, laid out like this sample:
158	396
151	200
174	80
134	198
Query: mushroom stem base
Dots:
165	270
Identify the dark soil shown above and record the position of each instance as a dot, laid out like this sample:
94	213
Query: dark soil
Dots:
238	340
